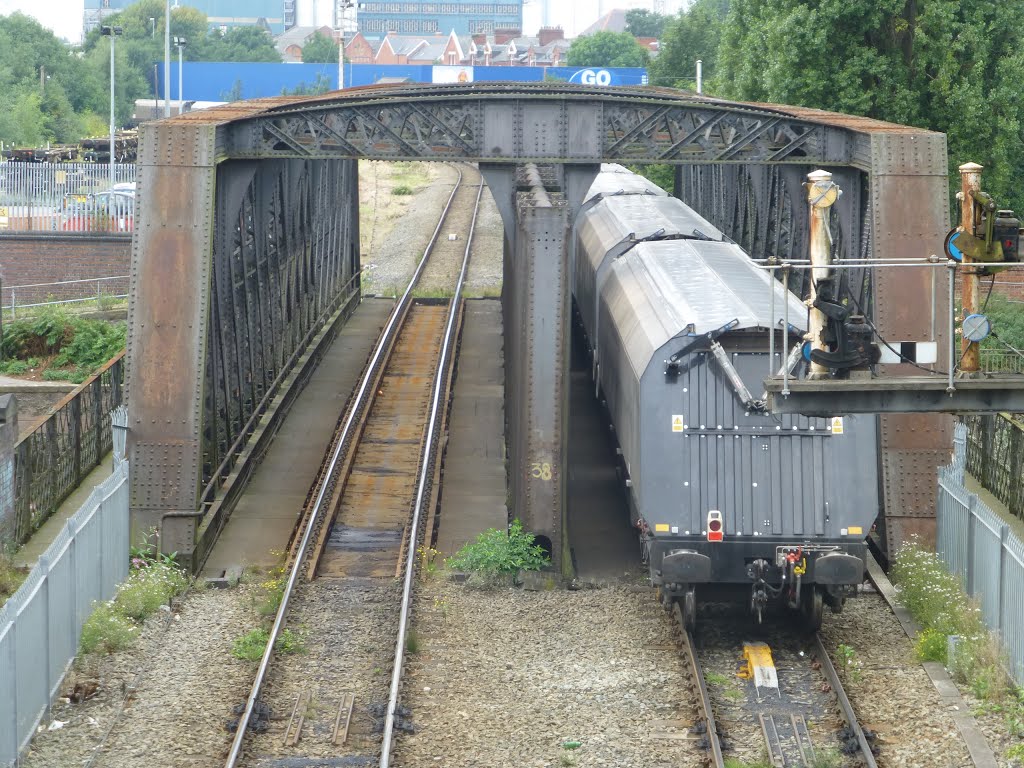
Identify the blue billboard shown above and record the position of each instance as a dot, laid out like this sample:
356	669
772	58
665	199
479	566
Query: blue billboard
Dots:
230	81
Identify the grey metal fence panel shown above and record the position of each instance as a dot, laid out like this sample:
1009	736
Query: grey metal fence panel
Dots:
41	622
29	640
8	703
975	543
952	539
986	552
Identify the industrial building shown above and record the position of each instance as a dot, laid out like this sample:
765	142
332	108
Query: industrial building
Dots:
221	14
376	18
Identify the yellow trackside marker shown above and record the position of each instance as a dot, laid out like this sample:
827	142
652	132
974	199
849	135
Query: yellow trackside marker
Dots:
759	666
661	527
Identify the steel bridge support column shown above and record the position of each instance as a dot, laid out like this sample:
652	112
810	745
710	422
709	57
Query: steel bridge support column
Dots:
169	307
536	299
909	211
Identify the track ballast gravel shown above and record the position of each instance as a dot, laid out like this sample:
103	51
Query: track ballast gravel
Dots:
508	677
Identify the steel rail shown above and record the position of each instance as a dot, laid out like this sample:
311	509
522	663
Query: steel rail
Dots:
421	490
844	702
358	403
714	743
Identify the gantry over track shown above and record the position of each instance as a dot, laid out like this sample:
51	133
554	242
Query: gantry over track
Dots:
246	249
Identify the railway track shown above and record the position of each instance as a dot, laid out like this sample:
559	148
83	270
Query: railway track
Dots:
359	531
784	704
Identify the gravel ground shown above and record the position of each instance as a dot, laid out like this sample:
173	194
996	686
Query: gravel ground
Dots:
505	677
347	627
395	238
391	251
164	702
892	693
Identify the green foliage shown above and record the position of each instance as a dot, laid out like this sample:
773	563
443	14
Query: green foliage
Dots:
662	175
643	23
949	65
14	367
251	645
496	552
848	660
607	49
78	344
936	599
147	588
72	100
412	640
1007	323
321	85
402	189
107	631
687	37
320	49
931	645
10	577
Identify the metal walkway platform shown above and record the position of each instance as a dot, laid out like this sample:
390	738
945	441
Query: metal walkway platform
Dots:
910	394
262	522
474	470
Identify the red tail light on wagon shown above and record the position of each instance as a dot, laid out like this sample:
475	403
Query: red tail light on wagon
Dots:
715	532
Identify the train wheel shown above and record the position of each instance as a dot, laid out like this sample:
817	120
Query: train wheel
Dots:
690	609
813	608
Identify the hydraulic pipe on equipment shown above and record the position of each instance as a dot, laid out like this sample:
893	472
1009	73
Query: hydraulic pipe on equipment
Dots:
821	194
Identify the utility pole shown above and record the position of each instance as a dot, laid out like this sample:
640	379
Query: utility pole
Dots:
167	59
112	32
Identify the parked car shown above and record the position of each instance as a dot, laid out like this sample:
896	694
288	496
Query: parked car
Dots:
112	210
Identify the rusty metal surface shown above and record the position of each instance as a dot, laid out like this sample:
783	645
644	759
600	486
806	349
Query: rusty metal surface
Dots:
381	485
909	217
167	326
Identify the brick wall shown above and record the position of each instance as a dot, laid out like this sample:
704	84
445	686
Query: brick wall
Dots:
45	258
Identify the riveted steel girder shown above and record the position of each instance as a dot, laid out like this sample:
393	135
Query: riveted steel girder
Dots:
236	267
563	125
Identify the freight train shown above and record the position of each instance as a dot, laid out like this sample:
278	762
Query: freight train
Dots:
729	500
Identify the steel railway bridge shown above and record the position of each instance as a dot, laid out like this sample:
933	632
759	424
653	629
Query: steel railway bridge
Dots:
245	260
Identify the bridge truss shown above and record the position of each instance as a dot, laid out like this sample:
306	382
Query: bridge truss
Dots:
246	248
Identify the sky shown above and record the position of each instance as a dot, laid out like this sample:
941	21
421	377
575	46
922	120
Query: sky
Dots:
64	17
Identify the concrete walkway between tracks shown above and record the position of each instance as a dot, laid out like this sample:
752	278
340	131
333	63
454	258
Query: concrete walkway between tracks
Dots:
262	522
474	467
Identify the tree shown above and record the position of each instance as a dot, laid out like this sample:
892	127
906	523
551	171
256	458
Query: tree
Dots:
320	49
949	65
687	37
643	23
607	49
243	44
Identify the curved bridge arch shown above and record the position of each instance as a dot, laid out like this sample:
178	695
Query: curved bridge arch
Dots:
209	251
514	122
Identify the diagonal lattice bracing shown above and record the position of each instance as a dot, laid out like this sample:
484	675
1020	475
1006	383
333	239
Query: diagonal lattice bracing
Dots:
474	129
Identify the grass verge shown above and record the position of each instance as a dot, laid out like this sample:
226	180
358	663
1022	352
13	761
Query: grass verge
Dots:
937	601
115	624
